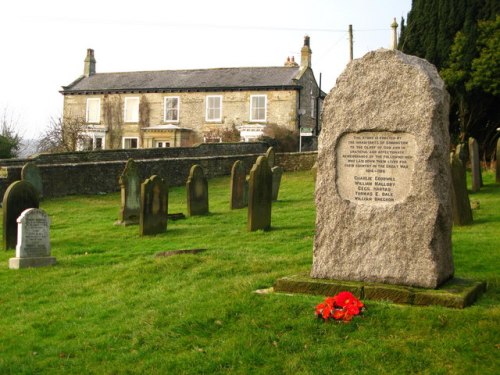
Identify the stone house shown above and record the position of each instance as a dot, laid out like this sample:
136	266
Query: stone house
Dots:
176	108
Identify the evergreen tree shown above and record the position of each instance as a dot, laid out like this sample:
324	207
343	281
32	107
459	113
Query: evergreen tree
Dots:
459	38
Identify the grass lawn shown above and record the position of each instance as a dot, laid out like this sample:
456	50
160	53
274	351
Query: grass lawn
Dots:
110	307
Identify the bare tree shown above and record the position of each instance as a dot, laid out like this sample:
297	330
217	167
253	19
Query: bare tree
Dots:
10	138
144	116
63	135
113	117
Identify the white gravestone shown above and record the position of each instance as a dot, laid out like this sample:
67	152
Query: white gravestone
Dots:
33	240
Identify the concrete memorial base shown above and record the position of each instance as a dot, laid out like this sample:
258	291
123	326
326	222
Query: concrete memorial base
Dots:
456	293
17	263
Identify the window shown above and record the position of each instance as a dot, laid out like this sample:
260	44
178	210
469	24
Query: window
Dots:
313	107
258	104
214	108
130	142
162	144
171	109
131	109
93	113
99	143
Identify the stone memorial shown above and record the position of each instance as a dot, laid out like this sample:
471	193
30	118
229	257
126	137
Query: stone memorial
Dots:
260	195
33	240
197	192
154	206
130	187
382	191
31	173
277	173
460	204
474	165
239	186
271	157
497	162
19	196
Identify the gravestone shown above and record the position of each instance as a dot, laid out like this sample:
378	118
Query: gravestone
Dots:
474	165
271	157
314	170
130	188
197	192
460	204
31	174
277	173
498	162
33	240
239	186
382	191
154	206
260	195
18	197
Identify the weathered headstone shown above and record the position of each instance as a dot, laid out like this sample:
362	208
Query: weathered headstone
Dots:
498	162
197	192
277	173
382	193
33	240
18	197
260	195
154	206
271	157
474	165
460	204
314	170
239	186
130	187
31	174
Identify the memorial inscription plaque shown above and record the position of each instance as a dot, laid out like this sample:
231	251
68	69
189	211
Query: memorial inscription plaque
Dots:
375	167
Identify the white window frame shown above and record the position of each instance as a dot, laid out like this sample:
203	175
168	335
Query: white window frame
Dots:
162	144
88	118
135	117
177	108
130	148
218	119
252	108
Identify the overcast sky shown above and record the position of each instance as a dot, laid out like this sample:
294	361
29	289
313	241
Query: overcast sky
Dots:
43	43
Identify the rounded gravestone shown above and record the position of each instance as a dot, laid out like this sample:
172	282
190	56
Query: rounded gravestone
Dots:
18	197
271	157
31	174
197	191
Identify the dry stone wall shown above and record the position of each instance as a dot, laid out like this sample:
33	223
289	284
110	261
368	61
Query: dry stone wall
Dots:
102	175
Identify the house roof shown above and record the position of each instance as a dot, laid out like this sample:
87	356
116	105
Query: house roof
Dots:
188	80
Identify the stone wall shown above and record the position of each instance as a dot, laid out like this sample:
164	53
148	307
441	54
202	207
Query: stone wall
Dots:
95	177
202	150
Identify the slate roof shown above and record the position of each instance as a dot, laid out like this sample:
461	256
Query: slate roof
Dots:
188	80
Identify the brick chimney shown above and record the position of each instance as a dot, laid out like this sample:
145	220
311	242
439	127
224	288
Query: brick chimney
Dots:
89	66
305	53
290	62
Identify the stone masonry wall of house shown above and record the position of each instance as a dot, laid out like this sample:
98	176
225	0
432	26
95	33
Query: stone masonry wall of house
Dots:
97	177
281	110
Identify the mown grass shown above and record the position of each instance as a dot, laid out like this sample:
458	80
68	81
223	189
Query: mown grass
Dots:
110	307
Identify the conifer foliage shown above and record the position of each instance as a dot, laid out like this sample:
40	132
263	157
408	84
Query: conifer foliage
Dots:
462	39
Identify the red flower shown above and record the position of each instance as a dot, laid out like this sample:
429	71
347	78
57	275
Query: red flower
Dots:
346	298
343	306
338	314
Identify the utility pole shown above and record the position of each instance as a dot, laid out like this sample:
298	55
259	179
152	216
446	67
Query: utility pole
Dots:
350	43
